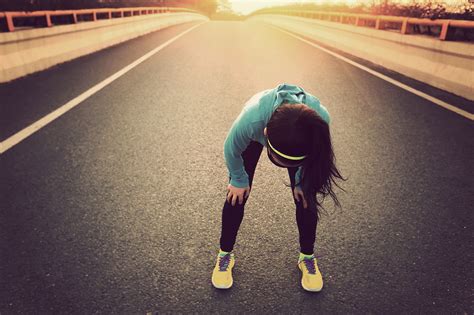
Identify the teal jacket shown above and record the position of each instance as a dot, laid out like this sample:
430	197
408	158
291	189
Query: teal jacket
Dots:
249	125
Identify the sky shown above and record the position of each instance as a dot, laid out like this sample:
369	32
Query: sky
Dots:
247	6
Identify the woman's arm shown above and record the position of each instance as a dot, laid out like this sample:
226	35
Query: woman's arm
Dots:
237	140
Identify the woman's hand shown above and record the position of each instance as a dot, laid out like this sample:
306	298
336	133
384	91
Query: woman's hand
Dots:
234	193
300	196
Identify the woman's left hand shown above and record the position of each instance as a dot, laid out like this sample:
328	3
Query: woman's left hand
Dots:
298	193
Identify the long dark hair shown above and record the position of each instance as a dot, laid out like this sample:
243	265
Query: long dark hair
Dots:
297	130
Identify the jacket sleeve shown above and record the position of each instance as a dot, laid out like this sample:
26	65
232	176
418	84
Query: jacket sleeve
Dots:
298	177
323	112
237	140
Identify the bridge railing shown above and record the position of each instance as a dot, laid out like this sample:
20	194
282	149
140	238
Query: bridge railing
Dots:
403	24
9	20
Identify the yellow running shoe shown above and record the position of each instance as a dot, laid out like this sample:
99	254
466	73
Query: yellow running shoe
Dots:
311	279
222	273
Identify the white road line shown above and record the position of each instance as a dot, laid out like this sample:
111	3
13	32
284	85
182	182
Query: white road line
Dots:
386	78
26	132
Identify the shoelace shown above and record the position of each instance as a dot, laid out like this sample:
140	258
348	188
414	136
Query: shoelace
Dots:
309	263
224	262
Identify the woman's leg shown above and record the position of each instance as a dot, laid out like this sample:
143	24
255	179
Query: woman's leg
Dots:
232	215
305	218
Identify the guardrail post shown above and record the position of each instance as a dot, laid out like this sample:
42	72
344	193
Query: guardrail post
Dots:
48	20
9	19
94	16
378	24
404	29
444	30
109	15
74	18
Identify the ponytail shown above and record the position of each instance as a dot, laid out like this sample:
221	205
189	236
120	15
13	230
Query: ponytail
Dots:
319	170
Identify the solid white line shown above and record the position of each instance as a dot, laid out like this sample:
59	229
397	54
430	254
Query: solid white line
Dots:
386	78
26	132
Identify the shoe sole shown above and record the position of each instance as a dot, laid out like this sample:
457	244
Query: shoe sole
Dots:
310	290
221	287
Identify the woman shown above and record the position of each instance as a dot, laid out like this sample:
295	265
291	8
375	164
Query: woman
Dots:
294	127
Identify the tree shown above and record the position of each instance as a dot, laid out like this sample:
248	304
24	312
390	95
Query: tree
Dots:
207	6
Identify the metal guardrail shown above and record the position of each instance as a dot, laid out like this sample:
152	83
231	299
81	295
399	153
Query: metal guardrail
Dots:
380	22
77	16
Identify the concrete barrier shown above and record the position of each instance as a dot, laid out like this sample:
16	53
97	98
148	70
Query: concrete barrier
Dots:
28	51
442	64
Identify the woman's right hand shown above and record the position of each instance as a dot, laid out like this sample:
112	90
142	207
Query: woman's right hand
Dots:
234	193
299	196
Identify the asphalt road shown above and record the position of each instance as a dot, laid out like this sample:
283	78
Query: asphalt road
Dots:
115	207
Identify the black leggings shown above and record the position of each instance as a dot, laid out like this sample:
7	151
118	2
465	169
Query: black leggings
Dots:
232	215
